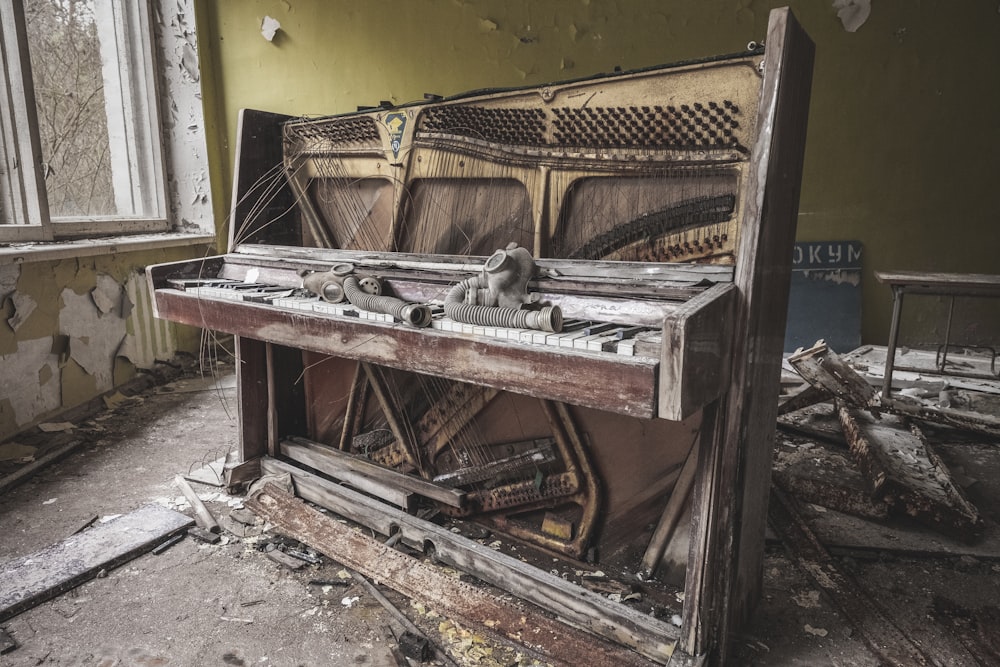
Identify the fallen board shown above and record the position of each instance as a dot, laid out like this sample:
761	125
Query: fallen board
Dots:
30	580
904	471
557	642
583	608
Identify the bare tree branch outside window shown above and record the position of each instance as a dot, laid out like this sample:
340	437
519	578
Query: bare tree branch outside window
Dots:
69	93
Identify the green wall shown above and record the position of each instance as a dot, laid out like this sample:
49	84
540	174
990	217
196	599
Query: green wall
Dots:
903	150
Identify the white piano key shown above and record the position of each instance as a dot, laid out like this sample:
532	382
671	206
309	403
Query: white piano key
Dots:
583	342
626	347
602	343
569	340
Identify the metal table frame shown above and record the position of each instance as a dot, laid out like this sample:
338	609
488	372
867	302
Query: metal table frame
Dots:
950	285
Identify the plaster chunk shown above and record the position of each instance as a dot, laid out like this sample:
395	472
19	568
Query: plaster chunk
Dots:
30	399
269	28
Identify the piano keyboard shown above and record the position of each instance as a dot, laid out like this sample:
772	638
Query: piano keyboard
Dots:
585	335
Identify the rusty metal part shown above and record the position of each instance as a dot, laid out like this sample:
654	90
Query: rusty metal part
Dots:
556	642
540	454
390	456
579	476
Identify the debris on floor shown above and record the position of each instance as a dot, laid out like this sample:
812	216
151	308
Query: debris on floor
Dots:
898	463
27	581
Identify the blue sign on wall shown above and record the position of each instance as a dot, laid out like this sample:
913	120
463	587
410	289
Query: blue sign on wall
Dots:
825	296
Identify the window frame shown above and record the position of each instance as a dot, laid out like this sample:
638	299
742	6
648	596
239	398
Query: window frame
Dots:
137	154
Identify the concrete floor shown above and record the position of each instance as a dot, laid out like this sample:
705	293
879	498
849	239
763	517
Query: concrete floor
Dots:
229	604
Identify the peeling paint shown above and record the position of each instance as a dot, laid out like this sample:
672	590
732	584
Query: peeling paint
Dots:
852	13
33	358
148	339
9	274
107	295
94	336
837	276
188	187
24	306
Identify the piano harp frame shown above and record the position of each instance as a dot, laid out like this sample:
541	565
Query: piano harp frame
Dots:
721	346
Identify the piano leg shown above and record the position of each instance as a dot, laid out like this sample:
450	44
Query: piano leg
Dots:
252	397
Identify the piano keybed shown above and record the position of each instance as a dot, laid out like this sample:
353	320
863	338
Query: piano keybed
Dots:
576	334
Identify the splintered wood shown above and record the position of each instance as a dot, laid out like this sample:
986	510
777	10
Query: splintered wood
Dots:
904	471
822	368
557	642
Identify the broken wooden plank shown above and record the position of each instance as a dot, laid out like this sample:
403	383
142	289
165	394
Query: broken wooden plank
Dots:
30	580
341	465
594	613
903	470
26	471
202	516
281	558
319	461
819	474
240	474
822	368
806	396
671	515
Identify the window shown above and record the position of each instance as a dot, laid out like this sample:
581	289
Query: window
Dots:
79	128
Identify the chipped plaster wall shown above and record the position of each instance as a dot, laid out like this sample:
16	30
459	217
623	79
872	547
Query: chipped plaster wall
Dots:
74	329
902	151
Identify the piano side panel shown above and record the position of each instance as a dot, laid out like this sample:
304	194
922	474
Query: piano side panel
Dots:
694	361
729	508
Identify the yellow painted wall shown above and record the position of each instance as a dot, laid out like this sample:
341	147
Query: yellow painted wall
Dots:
903	149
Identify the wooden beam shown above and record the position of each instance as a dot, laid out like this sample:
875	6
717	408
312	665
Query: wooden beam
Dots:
318	460
202	516
30	580
729	505
336	463
671	515
822	368
585	609
252	397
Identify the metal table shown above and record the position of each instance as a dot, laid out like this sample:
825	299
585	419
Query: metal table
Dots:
938	284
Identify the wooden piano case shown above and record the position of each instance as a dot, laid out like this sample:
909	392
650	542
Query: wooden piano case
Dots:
660	208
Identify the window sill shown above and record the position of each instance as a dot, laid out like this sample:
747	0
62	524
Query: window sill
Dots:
41	251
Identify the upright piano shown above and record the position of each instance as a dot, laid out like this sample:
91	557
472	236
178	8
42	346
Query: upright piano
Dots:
551	310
